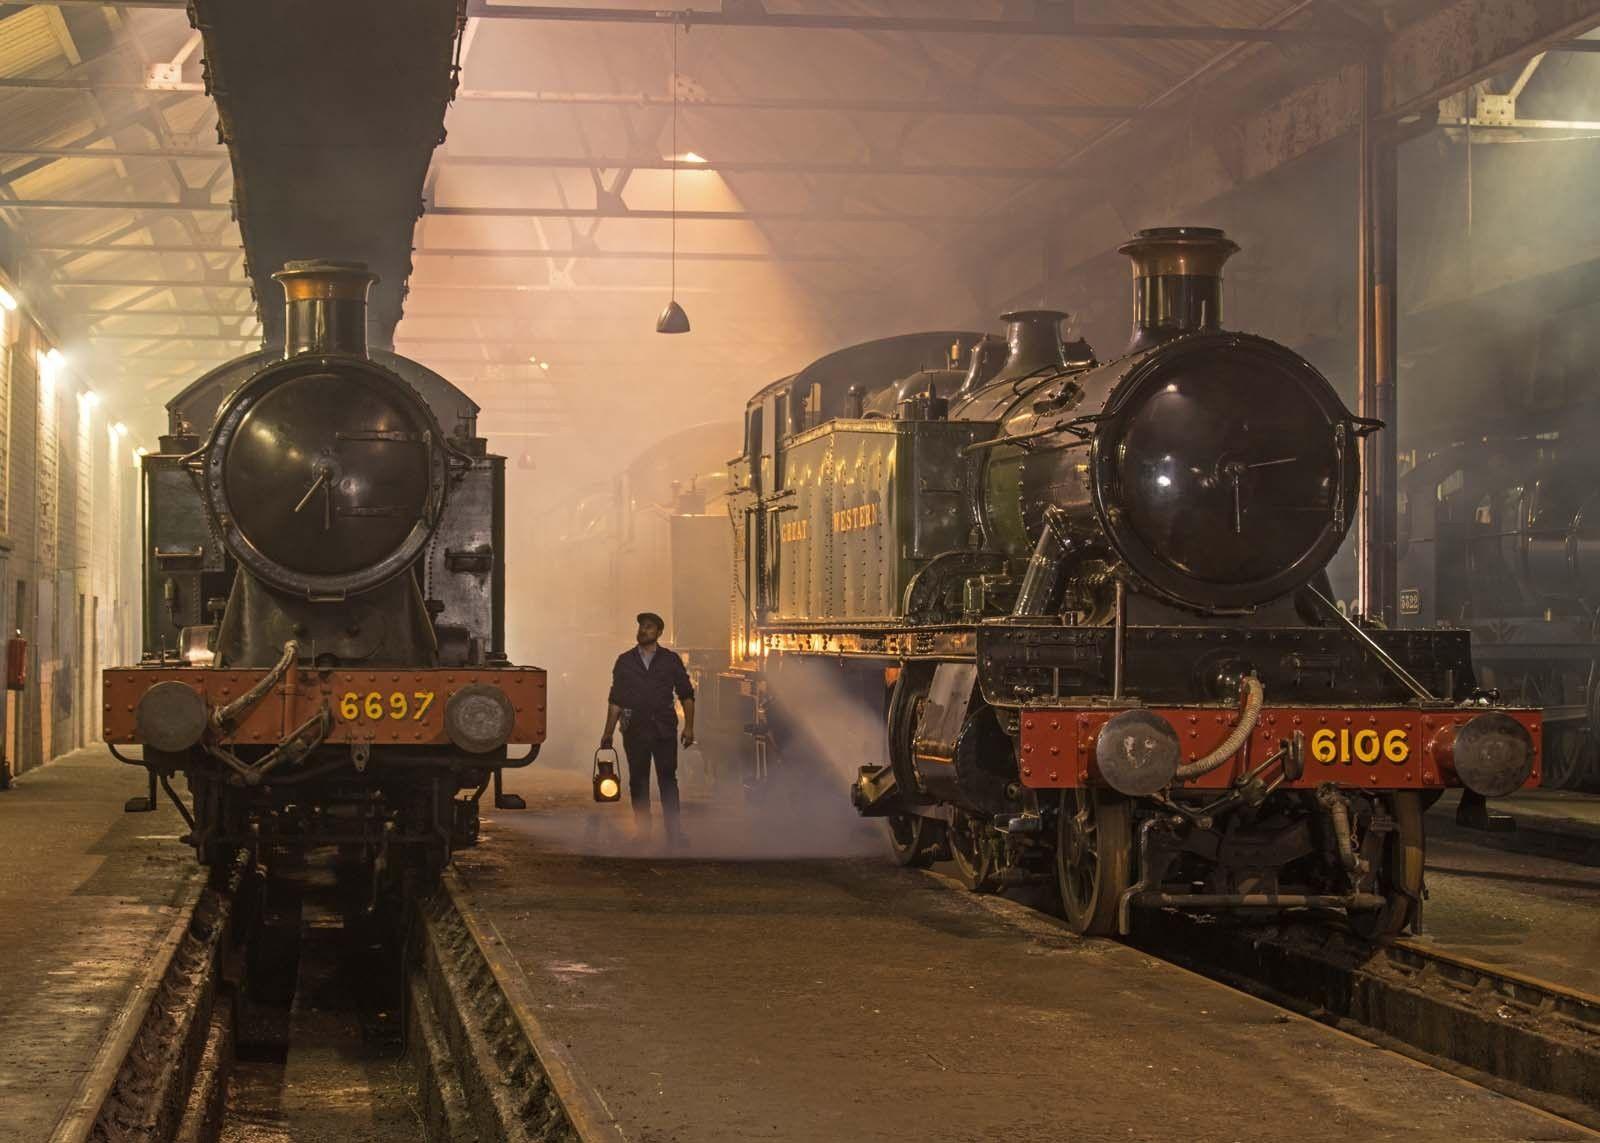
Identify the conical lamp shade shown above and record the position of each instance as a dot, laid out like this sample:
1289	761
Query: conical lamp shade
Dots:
672	319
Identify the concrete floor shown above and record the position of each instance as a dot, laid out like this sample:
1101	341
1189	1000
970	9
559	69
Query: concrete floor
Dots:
838	997
86	894
1563	824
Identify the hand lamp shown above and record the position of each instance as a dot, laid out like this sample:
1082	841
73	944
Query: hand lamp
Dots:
607	784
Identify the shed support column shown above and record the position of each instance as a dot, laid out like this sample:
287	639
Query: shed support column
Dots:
1378	357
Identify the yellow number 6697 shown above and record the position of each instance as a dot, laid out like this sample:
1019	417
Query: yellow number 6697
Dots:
1365	746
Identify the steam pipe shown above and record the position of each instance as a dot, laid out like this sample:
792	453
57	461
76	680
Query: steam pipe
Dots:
1378	360
1119	640
1047	567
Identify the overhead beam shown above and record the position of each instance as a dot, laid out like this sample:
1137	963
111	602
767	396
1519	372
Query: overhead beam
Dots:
225	315
1051	19
851	216
756	166
172	336
114	204
90	152
481	252
68	83
160	283
975	107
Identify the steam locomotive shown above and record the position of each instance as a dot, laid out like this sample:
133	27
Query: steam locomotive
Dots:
1497	534
1085	606
324	600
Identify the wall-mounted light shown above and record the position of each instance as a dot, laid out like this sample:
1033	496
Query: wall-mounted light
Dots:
545	365
91	398
120	429
49	363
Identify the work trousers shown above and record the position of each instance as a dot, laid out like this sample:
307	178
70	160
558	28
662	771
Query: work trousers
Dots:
643	748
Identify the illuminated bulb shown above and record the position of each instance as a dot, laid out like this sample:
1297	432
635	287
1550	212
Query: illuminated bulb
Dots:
54	358
120	429
7	302
1164	480
91	398
545	365
609	788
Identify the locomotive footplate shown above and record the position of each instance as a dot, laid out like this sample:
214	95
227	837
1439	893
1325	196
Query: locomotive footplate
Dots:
1294	747
399	706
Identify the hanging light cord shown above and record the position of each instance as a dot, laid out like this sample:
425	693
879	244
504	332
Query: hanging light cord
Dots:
674	259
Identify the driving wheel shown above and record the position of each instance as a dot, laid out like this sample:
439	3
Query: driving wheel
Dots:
973	857
1399	873
1094	858
917	841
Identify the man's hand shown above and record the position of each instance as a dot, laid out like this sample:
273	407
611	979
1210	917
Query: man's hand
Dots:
605	743
688	737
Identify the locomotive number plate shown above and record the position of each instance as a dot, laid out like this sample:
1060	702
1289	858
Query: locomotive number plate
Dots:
376	706
1366	746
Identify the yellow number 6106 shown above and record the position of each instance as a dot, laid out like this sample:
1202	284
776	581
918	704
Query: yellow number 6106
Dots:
1365	746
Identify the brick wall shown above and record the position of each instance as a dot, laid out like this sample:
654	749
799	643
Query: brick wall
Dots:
69	556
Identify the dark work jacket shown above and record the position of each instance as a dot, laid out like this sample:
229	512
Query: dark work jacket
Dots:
647	694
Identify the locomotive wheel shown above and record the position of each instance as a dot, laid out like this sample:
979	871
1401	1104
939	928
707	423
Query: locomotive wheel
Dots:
973	859
1569	761
1094	858
1400	875
917	841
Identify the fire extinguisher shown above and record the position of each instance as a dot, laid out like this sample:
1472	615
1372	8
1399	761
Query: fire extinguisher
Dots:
16	663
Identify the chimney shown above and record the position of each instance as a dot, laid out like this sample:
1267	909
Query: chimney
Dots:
1177	281
326	307
1033	342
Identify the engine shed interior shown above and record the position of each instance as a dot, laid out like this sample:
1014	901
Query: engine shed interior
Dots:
556	555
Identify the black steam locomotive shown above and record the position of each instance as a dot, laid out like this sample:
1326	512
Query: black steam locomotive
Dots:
1499	534
1088	603
324	600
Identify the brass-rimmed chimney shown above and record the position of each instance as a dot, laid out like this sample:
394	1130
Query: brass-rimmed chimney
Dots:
1177	281
325	306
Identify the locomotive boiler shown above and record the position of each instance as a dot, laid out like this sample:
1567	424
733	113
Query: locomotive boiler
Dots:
324	600
1087	603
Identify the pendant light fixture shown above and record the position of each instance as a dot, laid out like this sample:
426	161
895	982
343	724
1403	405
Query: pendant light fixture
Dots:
673	319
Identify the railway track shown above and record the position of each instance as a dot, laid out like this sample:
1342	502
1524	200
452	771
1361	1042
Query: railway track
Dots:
274	1011
1530	1039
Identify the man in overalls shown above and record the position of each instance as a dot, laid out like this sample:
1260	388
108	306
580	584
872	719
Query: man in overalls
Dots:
644	682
